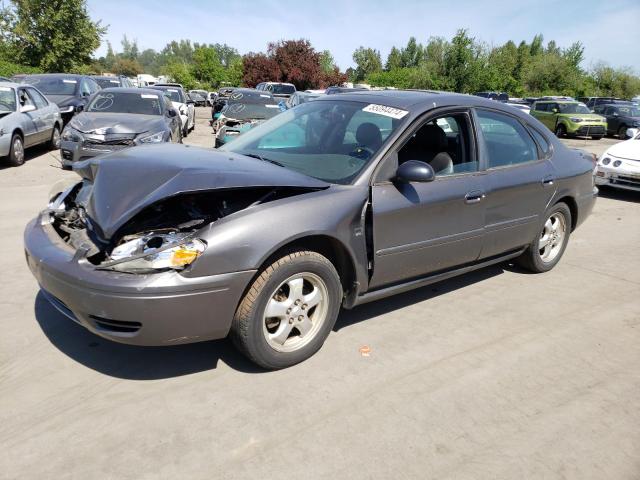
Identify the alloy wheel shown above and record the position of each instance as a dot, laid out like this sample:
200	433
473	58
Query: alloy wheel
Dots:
18	150
552	237
295	312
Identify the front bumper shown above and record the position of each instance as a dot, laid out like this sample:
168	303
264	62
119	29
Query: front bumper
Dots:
618	179
5	145
164	308
583	130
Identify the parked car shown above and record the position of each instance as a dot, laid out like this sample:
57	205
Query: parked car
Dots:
619	165
211	98
199	97
498	96
520	106
70	92
27	118
244	109
182	102
112	81
117	118
266	240
299	98
221	100
620	117
569	118
5	79
593	102
279	90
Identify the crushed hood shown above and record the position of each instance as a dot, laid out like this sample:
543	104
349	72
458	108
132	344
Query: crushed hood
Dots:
127	181
115	123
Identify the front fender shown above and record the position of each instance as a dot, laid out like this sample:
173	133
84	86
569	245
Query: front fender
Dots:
246	239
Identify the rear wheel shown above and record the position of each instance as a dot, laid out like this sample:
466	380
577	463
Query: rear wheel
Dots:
561	131
16	152
548	247
288	311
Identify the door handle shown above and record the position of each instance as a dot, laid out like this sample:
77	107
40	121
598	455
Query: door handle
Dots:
474	197
547	181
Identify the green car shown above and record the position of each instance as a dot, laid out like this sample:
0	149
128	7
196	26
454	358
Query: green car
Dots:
569	118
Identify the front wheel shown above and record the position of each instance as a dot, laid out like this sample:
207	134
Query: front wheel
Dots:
54	142
561	131
547	248
288	311
622	132
16	151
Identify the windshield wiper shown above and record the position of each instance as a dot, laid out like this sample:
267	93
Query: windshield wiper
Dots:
264	159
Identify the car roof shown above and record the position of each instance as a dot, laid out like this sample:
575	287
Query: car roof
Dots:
147	90
14	84
58	75
164	87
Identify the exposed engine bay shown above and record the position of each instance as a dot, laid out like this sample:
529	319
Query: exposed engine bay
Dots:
161	236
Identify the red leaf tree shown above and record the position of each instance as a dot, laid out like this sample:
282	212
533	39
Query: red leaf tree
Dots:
291	61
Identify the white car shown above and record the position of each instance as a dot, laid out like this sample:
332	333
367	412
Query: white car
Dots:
182	102
520	106
619	166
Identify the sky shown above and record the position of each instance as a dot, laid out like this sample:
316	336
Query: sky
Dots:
609	29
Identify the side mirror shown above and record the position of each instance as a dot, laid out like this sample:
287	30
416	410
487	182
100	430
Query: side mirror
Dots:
415	171
172	112
85	94
79	108
616	114
554	110
27	108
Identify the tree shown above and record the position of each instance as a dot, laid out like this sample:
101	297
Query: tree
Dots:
52	35
394	59
226	54
461	64
411	55
327	63
207	67
127	67
181	73
367	61
129	48
258	67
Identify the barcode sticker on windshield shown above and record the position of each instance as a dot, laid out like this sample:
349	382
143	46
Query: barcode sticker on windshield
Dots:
115	81
172	90
70	81
5	89
265	96
272	106
144	95
384	110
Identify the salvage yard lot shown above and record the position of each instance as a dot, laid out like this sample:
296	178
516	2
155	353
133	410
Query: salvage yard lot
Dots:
497	374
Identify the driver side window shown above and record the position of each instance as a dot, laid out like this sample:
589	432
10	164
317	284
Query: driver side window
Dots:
444	143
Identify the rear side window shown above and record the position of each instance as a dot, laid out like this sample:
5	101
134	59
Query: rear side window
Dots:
542	141
507	142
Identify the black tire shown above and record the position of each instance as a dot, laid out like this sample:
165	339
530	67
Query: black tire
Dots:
185	132
531	259
248	330
596	137
622	132
54	141
16	152
561	131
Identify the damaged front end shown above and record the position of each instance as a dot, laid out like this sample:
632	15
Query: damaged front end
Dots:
166	235
226	129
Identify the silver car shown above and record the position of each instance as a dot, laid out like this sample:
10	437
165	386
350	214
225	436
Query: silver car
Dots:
27	118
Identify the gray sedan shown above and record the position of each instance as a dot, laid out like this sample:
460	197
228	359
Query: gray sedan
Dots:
27	118
337	202
117	118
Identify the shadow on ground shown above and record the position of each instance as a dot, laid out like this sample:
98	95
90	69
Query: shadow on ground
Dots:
619	194
152	363
29	154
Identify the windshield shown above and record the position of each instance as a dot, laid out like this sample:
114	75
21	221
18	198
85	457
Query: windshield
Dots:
107	82
245	111
53	85
629	111
329	140
573	108
174	94
138	103
279	89
7	100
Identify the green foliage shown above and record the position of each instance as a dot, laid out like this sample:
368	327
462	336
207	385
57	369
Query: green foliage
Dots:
8	69
51	35
181	72
207	68
466	65
367	61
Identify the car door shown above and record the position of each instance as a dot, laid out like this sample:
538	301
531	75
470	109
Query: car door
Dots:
46	115
613	119
421	228
30	121
519	181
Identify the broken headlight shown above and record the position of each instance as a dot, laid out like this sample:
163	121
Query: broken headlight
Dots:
70	134
153	138
153	252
